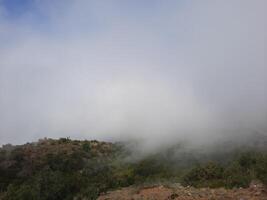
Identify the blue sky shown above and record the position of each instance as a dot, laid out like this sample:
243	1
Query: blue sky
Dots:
16	8
40	12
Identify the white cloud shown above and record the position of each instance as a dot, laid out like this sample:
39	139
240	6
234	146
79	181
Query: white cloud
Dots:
114	70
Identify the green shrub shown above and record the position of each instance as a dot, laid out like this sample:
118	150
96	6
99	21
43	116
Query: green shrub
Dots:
46	185
149	167
248	166
236	176
64	140
69	170
86	146
207	175
260	167
21	192
124	176
65	162
89	193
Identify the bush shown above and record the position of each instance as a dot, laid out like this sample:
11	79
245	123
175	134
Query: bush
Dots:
21	192
69	170
238	173
150	168
261	168
86	146
46	185
65	162
248	166
64	140
89	193
124	176
236	176
207	175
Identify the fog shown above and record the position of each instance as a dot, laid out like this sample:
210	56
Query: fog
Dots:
155	71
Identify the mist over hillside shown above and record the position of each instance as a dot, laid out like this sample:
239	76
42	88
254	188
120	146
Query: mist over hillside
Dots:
73	169
169	95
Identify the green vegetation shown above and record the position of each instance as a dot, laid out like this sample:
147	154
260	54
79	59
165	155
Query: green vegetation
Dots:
238	173
68	169
57	169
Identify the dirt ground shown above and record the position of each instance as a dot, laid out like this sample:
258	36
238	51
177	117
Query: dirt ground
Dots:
256	191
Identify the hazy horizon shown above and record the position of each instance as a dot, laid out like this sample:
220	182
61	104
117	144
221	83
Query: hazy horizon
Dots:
157	71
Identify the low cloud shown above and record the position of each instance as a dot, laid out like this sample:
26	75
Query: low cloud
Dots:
158	71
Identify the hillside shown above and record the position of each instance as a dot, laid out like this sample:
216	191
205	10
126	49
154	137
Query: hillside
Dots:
71	169
256	191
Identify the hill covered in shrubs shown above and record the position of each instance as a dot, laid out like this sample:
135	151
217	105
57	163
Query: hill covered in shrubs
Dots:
71	169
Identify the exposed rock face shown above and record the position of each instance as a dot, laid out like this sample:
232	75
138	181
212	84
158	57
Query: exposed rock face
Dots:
256	191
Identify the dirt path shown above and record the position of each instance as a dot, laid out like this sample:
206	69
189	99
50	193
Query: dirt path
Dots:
254	192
